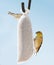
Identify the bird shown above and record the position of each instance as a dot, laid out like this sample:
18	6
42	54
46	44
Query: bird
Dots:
38	40
15	15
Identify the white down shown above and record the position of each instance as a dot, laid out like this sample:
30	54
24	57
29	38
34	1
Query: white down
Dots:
24	39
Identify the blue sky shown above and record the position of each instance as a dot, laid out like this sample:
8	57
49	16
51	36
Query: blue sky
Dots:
42	18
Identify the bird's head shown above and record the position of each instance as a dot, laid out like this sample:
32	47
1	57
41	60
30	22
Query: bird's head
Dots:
39	33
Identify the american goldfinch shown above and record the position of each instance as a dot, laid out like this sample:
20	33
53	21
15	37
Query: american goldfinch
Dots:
38	41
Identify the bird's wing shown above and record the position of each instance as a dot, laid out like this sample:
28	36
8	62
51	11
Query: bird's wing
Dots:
37	43
15	15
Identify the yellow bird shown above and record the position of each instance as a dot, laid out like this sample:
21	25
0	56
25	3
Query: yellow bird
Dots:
38	41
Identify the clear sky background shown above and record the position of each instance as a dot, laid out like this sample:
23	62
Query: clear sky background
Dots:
42	18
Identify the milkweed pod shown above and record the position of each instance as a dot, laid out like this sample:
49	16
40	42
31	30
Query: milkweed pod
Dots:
24	39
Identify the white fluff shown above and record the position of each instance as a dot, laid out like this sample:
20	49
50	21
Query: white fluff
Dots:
24	39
